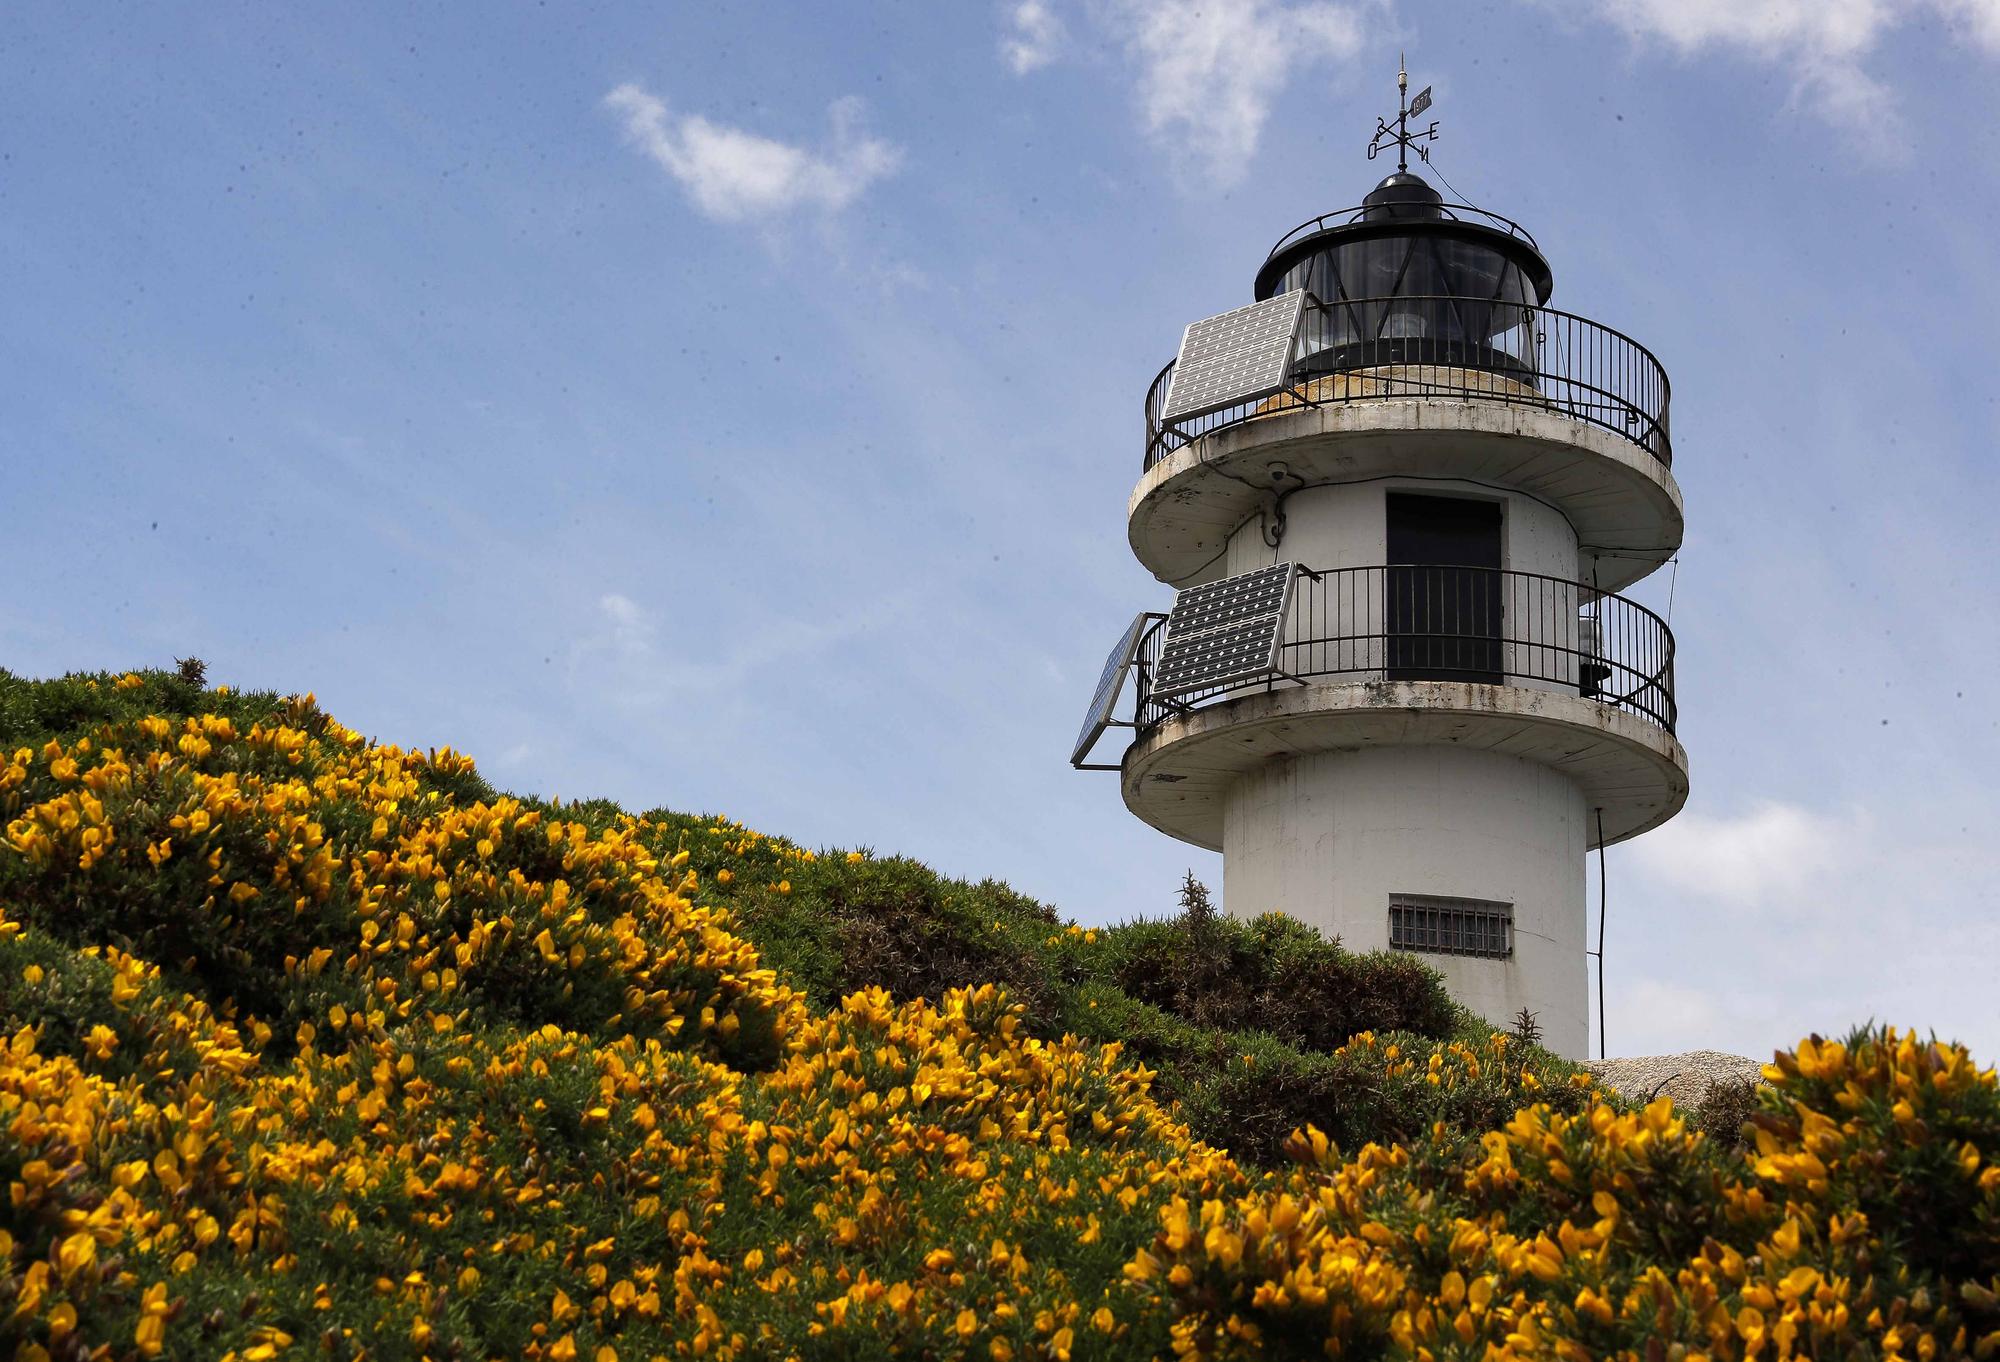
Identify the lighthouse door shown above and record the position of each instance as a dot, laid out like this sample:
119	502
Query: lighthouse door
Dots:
1442	606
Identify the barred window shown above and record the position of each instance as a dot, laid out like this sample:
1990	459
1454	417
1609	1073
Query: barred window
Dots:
1450	926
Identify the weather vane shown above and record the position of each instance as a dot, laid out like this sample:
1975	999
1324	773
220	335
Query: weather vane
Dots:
1399	133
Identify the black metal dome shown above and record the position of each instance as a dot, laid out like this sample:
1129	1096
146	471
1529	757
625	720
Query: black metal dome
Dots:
1402	195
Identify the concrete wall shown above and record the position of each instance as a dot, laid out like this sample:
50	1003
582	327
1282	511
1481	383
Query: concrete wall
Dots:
1346	526
1327	838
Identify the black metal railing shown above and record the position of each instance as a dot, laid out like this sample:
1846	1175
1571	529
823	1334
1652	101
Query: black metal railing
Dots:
1491	625
1451	212
1360	349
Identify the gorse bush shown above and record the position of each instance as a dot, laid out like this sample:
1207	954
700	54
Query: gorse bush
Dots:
1188	996
316	1047
250	861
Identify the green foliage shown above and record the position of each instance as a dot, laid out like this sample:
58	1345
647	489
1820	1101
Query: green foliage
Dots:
287	869
1527	1028
1188	996
35	711
1277	975
312	1044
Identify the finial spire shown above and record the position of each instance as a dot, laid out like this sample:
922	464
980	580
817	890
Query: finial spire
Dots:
1399	133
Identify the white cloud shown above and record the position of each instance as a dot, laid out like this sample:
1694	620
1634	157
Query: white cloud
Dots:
1979	17
1037	34
1745	932
626	658
1762	857
733	175
1825	44
1211	69
1657	1016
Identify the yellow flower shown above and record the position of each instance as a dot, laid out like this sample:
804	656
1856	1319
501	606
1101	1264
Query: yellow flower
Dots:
76	1254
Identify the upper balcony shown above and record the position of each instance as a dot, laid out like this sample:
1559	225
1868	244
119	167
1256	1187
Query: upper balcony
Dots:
1433	386
1514	354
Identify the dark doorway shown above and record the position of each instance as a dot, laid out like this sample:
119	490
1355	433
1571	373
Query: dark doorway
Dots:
1443	592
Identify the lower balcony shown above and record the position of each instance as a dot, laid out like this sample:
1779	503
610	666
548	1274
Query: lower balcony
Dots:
1541	668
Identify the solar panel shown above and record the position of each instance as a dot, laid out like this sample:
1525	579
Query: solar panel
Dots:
1236	357
1230	600
1220	657
1225	632
1108	687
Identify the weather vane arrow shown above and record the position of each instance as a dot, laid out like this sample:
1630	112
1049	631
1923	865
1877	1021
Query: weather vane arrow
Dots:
1399	132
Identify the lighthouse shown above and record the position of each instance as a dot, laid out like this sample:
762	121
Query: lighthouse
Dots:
1400	500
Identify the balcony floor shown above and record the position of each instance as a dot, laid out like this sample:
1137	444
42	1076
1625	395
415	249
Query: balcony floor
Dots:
1177	772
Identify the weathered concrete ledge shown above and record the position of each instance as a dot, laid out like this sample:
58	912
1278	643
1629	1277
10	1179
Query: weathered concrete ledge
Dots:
1623	503
1176	774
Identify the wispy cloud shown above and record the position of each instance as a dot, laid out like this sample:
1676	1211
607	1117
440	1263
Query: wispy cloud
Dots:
733	175
1825	45
1207	72
626	657
1035	35
1210	70
1764	856
1746	930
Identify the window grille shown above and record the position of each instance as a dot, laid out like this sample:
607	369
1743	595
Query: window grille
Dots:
1450	926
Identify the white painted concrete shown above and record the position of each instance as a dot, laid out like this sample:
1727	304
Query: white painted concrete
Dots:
1339	525
1327	837
1177	775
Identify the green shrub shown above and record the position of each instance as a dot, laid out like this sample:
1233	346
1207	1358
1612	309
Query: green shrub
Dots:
427	1075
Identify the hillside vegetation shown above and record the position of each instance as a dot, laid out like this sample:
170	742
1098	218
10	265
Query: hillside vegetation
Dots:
315	1047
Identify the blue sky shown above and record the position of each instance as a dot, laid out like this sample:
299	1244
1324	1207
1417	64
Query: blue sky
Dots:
733	407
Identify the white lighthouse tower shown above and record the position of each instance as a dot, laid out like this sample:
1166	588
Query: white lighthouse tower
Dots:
1398	496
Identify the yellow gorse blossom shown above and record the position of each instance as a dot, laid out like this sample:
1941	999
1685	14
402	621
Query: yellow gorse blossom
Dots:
497	1079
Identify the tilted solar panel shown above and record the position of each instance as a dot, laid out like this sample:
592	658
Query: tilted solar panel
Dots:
1225	632
1230	600
1238	356
1108	686
1220	657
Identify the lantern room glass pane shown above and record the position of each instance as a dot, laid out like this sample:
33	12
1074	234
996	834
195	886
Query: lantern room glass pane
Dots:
1425	298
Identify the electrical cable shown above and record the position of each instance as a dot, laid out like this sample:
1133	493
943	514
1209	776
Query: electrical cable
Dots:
1462	198
1601	1045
